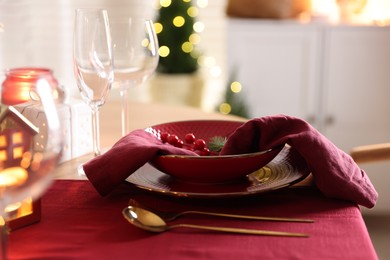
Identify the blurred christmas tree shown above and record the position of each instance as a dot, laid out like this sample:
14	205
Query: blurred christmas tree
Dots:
234	102
176	36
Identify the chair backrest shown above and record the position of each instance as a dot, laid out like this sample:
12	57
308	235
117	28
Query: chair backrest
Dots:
371	153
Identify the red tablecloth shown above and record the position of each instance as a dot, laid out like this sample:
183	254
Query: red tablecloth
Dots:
79	224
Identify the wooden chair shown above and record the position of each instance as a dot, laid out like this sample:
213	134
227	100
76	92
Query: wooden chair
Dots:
371	153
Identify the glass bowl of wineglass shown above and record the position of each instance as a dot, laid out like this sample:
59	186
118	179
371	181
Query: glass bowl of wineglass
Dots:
26	163
93	63
135	49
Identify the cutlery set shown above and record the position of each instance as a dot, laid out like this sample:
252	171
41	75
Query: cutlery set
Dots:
155	221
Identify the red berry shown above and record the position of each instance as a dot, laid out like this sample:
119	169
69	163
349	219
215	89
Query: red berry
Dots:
189	138
173	139
187	147
204	152
164	137
179	143
199	144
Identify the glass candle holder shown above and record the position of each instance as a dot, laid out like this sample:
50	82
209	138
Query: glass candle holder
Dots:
19	84
18	87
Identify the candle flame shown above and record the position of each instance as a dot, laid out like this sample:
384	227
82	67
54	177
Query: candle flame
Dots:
13	176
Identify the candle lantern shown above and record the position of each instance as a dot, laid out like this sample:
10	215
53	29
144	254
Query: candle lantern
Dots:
19	87
19	90
19	111
19	84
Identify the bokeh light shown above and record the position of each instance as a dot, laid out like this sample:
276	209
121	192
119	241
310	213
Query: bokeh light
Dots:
165	3
163	51
187	47
236	87
178	21
207	61
145	42
225	108
202	3
158	27
199	27
194	38
193	11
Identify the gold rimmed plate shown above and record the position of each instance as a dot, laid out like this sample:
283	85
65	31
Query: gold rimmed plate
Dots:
286	169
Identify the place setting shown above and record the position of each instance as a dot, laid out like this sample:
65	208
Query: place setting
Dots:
306	149
189	159
274	181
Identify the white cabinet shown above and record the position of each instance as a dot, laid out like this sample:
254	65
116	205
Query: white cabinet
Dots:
335	76
277	64
356	88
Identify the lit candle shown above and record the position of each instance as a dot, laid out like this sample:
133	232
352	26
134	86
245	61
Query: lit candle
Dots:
19	82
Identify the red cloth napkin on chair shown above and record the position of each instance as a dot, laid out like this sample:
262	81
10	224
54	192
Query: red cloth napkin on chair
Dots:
335	173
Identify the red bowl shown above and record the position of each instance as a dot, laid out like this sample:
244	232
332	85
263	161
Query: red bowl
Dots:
208	169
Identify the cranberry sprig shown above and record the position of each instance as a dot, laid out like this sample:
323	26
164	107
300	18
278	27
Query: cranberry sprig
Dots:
191	143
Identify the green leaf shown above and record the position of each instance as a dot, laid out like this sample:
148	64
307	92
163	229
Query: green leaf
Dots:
216	143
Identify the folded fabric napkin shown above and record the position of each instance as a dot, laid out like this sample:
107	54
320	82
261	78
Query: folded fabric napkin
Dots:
131	152
335	173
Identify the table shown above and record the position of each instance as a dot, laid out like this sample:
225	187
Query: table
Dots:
77	223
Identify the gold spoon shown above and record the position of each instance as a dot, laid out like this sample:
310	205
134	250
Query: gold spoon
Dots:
149	221
170	215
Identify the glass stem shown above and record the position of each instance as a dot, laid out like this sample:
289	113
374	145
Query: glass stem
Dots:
95	131
125	123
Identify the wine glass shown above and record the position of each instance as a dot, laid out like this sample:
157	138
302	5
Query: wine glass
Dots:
135	48
26	159
93	63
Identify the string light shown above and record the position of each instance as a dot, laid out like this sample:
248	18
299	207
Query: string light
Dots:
165	3
163	51
199	27
194	38
235	87
225	108
145	43
207	61
202	3
193	11
158	27
187	47
178	14
178	21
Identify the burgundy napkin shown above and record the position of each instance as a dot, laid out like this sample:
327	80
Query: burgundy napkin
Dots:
131	152
335	173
